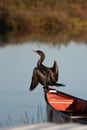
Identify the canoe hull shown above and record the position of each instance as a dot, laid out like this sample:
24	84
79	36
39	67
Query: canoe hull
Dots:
64	108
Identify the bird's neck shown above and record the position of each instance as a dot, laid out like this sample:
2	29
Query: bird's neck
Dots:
39	63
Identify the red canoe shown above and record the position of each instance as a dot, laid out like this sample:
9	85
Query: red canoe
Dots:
63	108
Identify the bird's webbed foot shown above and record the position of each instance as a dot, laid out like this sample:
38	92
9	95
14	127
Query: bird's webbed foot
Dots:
45	89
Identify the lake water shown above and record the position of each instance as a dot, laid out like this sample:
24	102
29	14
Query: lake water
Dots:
17	104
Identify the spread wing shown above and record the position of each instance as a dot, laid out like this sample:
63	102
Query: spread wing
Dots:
55	70
37	77
34	81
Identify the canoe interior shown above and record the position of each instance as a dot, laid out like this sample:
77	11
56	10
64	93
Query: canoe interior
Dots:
67	104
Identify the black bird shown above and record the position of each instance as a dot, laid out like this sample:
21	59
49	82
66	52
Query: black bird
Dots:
44	75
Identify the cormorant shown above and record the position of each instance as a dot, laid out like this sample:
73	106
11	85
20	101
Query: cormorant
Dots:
47	76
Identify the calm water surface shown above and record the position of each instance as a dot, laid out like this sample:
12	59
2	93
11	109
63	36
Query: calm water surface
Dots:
17	103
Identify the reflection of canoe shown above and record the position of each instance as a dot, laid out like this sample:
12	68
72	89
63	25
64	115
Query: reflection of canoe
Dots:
62	108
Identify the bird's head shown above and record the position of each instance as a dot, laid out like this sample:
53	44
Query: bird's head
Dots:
40	53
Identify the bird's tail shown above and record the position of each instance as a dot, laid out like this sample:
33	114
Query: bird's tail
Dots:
59	85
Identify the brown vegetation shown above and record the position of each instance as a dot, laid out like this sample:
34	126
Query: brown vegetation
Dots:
43	20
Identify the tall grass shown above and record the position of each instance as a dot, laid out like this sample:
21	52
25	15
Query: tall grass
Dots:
25	118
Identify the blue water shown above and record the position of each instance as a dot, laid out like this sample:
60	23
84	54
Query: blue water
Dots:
17	104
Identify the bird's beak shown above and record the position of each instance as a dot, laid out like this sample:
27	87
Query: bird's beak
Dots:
34	51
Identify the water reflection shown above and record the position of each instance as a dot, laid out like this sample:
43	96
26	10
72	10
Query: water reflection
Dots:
16	66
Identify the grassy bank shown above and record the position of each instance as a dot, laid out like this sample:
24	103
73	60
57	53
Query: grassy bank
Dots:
47	21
